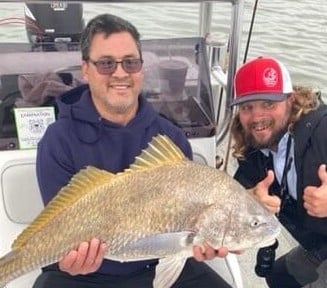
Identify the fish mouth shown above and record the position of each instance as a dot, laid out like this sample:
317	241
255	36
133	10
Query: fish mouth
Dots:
271	240
268	242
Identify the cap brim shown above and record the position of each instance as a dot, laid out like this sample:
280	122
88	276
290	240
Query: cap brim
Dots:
255	97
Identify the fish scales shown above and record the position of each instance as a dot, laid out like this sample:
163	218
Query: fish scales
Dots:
160	207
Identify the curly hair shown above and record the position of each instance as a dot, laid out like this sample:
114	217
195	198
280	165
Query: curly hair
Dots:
305	100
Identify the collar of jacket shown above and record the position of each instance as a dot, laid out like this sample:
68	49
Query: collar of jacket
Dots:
305	126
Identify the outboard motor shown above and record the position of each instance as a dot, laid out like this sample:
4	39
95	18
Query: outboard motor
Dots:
54	22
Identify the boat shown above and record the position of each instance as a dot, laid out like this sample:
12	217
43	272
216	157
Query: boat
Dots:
52	56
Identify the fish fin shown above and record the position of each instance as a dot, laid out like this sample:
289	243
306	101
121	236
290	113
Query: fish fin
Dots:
161	150
81	184
10	265
168	270
158	245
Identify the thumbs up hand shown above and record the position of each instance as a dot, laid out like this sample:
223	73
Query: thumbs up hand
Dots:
260	192
315	197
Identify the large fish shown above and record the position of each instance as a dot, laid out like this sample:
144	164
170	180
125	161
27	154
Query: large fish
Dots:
160	207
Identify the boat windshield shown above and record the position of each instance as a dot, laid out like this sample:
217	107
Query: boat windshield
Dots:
44	61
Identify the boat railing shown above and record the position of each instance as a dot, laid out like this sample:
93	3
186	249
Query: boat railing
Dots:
205	19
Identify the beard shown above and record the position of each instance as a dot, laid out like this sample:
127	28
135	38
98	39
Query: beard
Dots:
120	104
277	127
272	141
120	108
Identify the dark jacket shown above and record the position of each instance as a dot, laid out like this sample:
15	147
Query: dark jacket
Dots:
80	137
310	151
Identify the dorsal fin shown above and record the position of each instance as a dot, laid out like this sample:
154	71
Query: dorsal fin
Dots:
81	184
161	151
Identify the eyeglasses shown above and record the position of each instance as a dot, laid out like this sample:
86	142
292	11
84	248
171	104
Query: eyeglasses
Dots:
109	66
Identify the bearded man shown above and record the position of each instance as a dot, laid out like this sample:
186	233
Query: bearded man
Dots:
280	142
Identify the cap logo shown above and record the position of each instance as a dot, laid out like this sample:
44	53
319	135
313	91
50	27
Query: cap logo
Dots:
270	77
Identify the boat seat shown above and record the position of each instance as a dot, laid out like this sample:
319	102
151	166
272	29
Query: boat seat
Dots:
20	203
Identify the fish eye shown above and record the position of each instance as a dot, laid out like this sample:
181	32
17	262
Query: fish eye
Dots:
256	223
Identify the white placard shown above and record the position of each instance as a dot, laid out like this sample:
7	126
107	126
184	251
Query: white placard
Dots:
31	124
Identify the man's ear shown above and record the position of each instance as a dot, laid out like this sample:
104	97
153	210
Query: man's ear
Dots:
291	97
85	70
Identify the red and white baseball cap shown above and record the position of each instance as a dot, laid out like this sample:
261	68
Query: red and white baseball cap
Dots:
263	78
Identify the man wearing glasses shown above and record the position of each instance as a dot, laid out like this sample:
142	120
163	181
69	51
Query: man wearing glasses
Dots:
106	124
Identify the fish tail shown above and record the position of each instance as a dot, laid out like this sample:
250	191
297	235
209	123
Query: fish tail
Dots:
11	267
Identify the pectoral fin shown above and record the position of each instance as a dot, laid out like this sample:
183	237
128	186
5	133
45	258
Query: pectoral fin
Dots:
158	245
168	270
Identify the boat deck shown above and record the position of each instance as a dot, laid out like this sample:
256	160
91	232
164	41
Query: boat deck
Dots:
247	261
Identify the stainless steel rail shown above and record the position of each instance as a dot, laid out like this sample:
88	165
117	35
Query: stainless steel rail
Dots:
234	44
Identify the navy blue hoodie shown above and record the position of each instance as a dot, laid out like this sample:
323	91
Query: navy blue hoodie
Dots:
80	137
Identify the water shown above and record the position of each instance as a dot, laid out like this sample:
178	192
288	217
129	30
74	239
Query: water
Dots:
293	31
